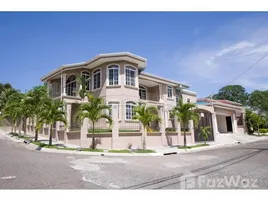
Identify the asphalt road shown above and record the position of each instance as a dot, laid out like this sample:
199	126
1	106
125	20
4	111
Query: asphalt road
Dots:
242	166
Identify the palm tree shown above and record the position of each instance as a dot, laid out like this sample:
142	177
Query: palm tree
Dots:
146	115
35	103
94	110
52	112
13	108
82	81
184	113
205	133
4	96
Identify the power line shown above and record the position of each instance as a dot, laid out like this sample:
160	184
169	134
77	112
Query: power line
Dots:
245	71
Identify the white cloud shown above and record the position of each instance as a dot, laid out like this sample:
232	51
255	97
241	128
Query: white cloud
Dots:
223	55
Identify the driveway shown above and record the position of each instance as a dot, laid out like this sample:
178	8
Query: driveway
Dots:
21	168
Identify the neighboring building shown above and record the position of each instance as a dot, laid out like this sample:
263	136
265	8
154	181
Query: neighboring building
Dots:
119	78
223	115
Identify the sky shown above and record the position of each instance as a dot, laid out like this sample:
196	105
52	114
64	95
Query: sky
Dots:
206	50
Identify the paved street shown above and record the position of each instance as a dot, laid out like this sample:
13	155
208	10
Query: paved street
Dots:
21	168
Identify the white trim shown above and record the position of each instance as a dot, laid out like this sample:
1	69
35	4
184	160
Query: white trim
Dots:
67	77
125	110
172	92
71	75
89	77
93	79
118	103
136	75
107	74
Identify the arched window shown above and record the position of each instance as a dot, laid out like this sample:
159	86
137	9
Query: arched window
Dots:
188	100
142	92
130	105
71	85
130	74
96	79
87	76
113	75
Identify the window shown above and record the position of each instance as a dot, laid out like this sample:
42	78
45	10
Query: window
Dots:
142	92
97	79
177	99
130	74
188	100
130	110
86	75
113	75
71	85
169	88
111	103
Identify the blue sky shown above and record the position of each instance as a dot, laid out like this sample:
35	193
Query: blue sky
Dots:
205	50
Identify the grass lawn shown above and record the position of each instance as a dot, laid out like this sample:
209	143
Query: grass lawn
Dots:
120	151
192	147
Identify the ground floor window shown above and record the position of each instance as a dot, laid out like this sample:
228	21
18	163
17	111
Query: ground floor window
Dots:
130	110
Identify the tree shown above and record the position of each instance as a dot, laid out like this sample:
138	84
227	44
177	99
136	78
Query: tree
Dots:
235	93
82	81
4	96
34	103
94	110
205	133
258	101
4	86
186	112
254	121
145	115
13	108
52	112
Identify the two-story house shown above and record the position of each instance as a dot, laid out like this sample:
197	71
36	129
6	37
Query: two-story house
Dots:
120	79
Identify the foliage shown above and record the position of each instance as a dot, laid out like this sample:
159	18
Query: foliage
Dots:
205	133
94	110
146	114
4	86
184	113
169	129
82	81
235	93
258	100
263	130
253	121
52	112
120	151
144	151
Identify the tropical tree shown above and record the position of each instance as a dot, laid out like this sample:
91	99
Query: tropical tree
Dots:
145	114
52	112
95	109
4	96
205	132
82	81
13	109
258	101
4	86
235	93
184	113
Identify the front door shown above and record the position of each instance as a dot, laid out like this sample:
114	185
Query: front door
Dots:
229	124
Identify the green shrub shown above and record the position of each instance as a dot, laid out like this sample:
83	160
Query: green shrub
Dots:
120	151
263	130
186	129
170	129
144	151
93	150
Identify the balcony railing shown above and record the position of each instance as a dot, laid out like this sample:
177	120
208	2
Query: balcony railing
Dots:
150	97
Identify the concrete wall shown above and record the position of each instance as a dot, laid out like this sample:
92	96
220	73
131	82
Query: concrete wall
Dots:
221	122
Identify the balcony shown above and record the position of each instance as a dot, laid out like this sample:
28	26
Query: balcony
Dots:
150	97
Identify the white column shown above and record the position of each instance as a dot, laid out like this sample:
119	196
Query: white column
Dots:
191	130
56	131
68	113
214	125
84	132
115	126
63	84
234	123
163	126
